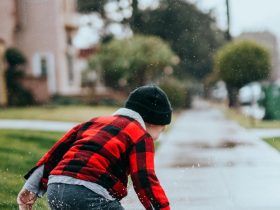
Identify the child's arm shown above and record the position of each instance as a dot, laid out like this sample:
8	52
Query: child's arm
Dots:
143	176
37	177
32	184
54	155
31	189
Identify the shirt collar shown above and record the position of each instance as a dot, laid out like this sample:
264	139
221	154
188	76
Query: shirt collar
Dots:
130	113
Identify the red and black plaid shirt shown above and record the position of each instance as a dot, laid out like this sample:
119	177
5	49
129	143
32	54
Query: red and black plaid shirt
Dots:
105	150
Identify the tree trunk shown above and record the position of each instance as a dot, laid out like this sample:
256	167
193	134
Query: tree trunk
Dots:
133	22
232	96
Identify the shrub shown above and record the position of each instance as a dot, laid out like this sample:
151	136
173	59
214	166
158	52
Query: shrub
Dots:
176	91
239	63
132	62
17	94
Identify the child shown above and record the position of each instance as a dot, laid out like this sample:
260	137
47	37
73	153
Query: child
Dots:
88	167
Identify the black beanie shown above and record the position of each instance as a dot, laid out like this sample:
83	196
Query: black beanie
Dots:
151	103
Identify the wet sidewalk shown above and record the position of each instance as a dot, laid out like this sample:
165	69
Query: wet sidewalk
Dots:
207	162
42	125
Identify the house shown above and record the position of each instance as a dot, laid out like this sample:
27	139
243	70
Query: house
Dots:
43	30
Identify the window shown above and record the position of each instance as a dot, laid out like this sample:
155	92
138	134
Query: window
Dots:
70	67
43	66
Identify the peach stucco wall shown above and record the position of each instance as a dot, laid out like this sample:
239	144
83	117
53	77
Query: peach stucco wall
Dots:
7	21
37	27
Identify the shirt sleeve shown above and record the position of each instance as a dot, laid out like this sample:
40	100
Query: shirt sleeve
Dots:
32	184
54	155
145	181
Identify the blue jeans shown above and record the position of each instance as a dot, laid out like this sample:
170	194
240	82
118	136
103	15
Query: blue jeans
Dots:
75	197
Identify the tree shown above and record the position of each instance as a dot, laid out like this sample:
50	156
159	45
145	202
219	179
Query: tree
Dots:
192	34
88	6
17	94
132	62
239	63
119	7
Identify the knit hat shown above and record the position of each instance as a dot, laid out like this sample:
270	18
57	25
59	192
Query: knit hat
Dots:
151	103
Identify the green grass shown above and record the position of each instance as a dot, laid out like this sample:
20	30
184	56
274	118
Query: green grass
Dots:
275	142
19	151
56	113
248	122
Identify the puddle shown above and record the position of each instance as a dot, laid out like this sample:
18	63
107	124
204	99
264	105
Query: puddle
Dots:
192	163
221	145
194	160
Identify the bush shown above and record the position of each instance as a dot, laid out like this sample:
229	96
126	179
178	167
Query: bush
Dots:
176	91
65	100
239	63
14	57
242	62
128	63
17	94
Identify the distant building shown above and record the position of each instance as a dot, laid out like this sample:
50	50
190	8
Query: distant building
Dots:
269	41
43	31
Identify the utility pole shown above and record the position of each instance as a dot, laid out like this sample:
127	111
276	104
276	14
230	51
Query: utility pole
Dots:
228	36
3	87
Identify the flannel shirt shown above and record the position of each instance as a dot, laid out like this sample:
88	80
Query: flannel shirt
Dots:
105	150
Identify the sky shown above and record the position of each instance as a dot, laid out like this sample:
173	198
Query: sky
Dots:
245	16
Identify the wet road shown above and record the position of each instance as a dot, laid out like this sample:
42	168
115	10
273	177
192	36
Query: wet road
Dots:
207	162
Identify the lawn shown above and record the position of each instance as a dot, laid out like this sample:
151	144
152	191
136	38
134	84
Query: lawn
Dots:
20	150
248	122
275	142
260	124
56	113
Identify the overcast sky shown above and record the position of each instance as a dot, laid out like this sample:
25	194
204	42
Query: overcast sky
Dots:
246	15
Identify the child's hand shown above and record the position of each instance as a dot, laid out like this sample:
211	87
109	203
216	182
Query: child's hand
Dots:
26	199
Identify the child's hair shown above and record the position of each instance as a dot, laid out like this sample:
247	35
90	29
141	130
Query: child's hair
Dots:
151	103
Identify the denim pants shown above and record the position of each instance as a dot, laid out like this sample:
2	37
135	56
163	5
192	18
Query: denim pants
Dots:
75	197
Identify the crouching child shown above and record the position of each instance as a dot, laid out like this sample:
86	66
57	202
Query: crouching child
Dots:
88	167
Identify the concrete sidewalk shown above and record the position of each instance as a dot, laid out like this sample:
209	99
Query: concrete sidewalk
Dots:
42	125
207	162
47	125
